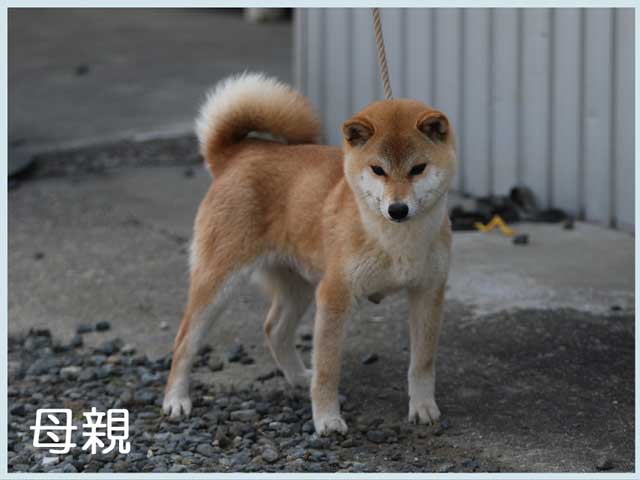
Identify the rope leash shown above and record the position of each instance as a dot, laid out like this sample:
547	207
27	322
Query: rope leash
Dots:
382	57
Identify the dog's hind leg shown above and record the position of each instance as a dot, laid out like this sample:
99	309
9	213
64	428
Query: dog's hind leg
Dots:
208	297
291	295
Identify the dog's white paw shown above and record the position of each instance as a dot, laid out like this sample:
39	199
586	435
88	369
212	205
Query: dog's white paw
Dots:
300	379
329	424
424	411
176	405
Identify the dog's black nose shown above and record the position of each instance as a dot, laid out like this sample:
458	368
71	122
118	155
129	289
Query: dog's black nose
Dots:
398	211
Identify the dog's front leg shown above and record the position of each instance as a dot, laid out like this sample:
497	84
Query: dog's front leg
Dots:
333	301
425	316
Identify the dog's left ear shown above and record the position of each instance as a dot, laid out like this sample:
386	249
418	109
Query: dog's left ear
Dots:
434	125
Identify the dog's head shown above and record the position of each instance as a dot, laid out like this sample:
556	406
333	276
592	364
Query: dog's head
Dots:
399	157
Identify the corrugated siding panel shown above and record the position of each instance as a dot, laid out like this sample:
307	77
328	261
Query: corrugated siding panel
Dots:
448	76
624	118
475	127
505	100
365	63
597	115
418	78
313	60
534	112
541	97
567	86
337	86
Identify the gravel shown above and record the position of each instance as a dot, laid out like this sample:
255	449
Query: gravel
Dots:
270	456
76	342
70	373
103	326
376	436
46	461
109	347
471	464
83	328
446	468
522	239
604	464
371	358
266	427
205	450
244	415
237	353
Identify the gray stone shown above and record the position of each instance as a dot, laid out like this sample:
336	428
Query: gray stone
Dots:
215	364
103	326
76	342
236	353
604	464
46	461
18	409
308	427
446	468
314	467
126	398
269	455
43	365
70	373
205	450
103	371
244	415
109	347
87	374
145	397
128	349
473	464
64	468
99	359
241	458
370	358
83	328
376	436
316	455
316	441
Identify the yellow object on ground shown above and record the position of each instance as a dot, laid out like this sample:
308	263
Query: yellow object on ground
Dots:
496	221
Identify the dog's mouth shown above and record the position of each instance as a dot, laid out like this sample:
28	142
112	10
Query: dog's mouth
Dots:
398	220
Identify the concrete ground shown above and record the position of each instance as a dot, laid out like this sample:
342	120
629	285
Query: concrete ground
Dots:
81	75
536	365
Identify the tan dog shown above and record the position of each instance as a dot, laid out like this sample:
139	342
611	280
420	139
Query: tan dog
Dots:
348	224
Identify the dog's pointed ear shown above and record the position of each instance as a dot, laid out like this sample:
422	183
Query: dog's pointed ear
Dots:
357	131
434	125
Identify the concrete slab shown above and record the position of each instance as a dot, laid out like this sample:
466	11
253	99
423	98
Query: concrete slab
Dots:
589	269
82	75
535	370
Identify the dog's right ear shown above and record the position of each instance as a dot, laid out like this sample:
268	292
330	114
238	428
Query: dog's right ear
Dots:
357	131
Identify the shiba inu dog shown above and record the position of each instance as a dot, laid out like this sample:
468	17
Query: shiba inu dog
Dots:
341	224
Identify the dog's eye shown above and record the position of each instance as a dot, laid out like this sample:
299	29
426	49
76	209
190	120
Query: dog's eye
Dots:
378	170
417	169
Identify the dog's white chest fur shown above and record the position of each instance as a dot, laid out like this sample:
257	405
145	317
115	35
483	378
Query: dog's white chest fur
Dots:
406	255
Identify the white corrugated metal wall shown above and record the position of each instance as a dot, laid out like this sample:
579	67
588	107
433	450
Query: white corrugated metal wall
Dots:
539	97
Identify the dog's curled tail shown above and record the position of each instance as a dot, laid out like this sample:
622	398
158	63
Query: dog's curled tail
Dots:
252	102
